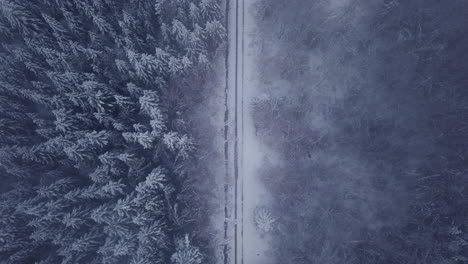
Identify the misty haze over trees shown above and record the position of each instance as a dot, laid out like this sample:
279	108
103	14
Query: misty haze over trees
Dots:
106	155
366	102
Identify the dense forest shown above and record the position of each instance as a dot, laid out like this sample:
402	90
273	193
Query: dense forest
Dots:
109	130
366	103
95	149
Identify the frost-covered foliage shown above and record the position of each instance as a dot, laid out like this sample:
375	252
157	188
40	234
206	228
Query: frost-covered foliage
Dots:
186	253
264	219
91	150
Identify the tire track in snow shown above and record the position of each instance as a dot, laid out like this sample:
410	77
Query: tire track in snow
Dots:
226	142
233	128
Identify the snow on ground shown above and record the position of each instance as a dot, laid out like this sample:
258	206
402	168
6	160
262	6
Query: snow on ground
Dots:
253	154
256	243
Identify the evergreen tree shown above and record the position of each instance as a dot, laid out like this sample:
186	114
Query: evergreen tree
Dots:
89	152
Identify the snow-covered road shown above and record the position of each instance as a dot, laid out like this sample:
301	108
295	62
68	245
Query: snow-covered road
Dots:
243	154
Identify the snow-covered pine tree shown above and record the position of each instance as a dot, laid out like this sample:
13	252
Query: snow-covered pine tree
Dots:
88	150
